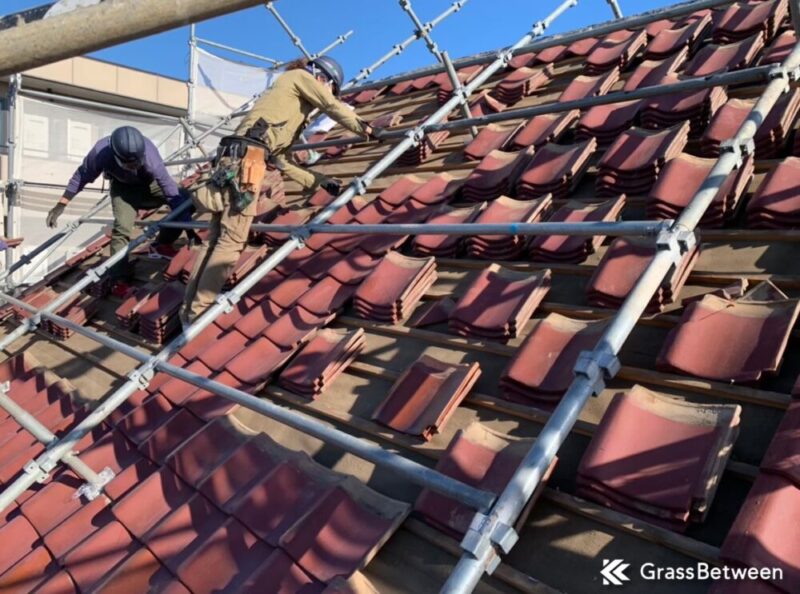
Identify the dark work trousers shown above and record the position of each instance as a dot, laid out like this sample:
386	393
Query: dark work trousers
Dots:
126	201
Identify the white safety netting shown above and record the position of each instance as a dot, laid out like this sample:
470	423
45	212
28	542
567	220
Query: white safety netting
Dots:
223	86
52	140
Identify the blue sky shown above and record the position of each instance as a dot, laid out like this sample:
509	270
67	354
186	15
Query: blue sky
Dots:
377	25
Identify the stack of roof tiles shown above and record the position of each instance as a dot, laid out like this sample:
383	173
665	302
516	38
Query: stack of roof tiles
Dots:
128	313
464	75
447	246
490	138
485	104
623	263
776	202
426	395
584	86
506	210
605	123
671	40
574	249
541	370
650	73
682	178
158	317
521	83
394	287
618	49
669	474
713	59
423	151
498	303
542	129
248	259
38	298
633	162
744	19
697	107
779	49
758	537
297	216
772	134
321	361
730	341
495	175
479	457
79	311
555	169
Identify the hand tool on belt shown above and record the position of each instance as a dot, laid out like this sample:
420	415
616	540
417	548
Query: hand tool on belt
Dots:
241	164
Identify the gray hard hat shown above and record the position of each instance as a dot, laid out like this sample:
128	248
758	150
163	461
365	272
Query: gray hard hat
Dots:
332	69
128	144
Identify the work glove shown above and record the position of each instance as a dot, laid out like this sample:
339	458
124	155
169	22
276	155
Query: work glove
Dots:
3	245
332	186
55	212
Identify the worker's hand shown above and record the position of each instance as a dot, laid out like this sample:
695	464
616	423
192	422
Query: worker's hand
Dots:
332	186
55	212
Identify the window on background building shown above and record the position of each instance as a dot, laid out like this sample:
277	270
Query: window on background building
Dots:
35	136
79	140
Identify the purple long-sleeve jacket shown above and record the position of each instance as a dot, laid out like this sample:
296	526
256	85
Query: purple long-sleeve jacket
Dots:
101	160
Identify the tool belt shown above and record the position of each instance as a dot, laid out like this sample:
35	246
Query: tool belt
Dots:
240	167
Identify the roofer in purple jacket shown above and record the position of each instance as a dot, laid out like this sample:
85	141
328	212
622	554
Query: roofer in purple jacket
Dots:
139	180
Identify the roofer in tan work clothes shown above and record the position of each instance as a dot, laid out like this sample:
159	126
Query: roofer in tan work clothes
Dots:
265	134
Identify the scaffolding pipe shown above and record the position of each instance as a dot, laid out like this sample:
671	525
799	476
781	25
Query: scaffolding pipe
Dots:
442	57
399	48
295	39
99	26
489	534
234	50
90	277
336	42
224	303
99	106
416	473
615	8
364	73
12	188
598	30
749	75
587	229
53	243
42	434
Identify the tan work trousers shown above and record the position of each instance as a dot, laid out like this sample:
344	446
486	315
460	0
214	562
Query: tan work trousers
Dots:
219	252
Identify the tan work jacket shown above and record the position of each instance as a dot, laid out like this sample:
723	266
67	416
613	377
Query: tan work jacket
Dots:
286	107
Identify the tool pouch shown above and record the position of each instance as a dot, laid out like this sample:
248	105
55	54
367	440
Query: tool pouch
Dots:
252	171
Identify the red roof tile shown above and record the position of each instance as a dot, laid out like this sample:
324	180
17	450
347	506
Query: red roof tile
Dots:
79	526
590	86
321	361
542	367
670	41
739	341
183	531
783	454
140	423
19	539
495	175
490	138
479	457
776	202
506	210
446	245
651	72
170	435
605	122
153	500
277	501
29	572
224	560
256	363
424	397
521	83
616	50
336	537
542	129
563	248
177	390
140	572
555	169
673	468
743	19
499	302
243	469
761	535
196	457
283	575
711	58
98	555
